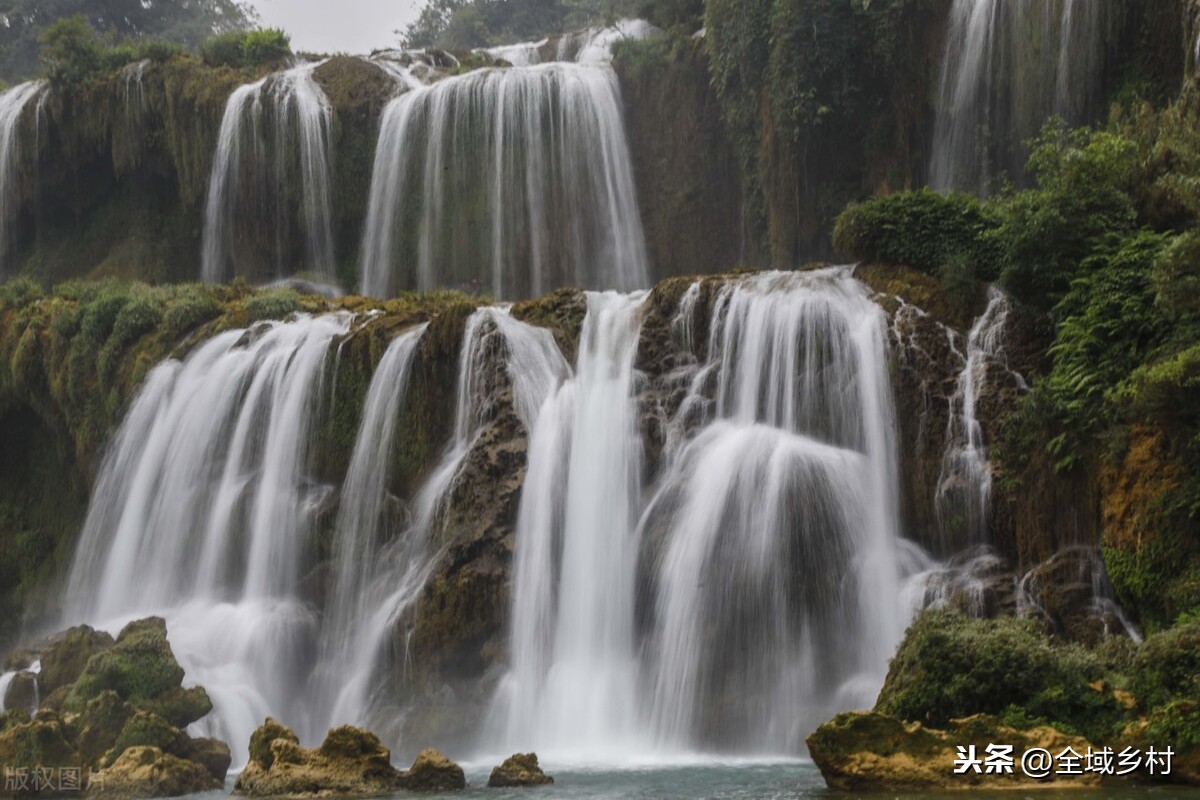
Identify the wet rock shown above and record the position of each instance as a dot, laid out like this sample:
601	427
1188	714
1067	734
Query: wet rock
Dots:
520	769
149	772
64	660
45	742
100	725
179	706
213	755
140	667
868	751
19	660
22	692
350	762
146	729
433	772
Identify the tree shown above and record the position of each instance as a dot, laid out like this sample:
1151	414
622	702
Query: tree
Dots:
187	22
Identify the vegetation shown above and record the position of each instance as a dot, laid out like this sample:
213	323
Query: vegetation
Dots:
242	49
952	666
138	23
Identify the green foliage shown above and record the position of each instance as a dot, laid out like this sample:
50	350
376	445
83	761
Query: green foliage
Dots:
1082	196
272	304
241	49
923	229
951	666
1167	667
465	24
193	308
156	30
19	292
72	53
1177	723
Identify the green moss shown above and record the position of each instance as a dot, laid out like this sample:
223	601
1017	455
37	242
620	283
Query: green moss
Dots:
147	729
260	742
140	667
272	304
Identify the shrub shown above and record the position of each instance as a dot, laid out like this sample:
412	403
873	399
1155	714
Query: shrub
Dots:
189	311
69	50
240	49
272	304
922	229
1167	667
19	292
952	666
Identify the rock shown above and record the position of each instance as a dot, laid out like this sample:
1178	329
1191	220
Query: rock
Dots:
100	725
179	706
45	741
1176	724
213	755
149	772
140	667
56	700
63	661
350	762
868	751
22	692
19	660
520	769
433	772
147	729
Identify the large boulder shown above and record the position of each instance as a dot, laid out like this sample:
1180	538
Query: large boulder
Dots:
351	762
149	772
520	769
213	755
101	723
868	751
42	742
69	652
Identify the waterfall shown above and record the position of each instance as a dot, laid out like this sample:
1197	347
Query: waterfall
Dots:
773	532
589	46
204	515
775	529
965	483
12	105
574	670
1008	66
533	159
276	133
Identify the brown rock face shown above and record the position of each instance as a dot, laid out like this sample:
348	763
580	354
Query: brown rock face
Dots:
149	772
520	769
866	751
350	762
22	692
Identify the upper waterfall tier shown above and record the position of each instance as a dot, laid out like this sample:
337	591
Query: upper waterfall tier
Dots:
1009	65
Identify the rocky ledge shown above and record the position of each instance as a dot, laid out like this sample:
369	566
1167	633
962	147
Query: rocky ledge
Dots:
520	769
868	751
111	719
350	762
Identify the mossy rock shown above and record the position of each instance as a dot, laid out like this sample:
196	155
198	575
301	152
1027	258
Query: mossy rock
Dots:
433	772
1167	667
214	755
64	660
139	667
179	706
39	742
22	692
263	736
520	769
145	729
149	772
102	722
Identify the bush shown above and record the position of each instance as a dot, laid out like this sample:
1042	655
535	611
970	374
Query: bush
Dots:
922	229
69	51
1167	667
952	666
1082	196
240	49
272	304
189	311
19	292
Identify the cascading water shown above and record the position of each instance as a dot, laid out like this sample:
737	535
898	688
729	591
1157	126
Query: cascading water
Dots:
965	485
574	670
1008	66
203	496
276	133
773	532
12	106
532	164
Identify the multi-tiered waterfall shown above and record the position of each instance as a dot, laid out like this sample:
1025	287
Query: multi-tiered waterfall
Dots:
730	604
511	181
271	172
1009	65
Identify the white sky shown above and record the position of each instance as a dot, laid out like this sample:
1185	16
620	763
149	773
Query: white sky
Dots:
332	26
